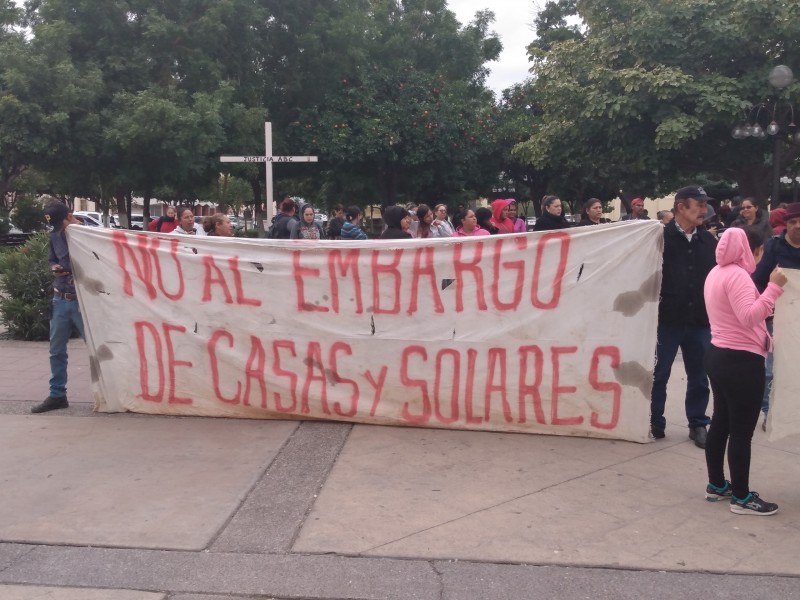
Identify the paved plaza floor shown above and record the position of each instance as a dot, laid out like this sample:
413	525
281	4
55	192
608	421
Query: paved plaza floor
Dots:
134	507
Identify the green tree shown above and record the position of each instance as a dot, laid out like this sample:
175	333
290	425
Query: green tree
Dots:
44	100
415	114
646	98
165	137
176	61
28	215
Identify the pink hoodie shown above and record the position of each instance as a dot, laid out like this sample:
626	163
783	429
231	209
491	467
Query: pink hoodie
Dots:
735	309
503	225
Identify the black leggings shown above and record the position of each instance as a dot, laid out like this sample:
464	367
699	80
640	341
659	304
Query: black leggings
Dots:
737	382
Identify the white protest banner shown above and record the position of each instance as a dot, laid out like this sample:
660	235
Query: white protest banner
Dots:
551	332
784	416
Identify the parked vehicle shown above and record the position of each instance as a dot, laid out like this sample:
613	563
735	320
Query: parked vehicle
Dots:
137	222
112	221
87	220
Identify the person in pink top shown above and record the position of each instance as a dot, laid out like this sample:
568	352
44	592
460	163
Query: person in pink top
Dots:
469	225
520	226
735	365
500	217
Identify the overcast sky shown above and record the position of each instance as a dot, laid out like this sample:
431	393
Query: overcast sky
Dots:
514	24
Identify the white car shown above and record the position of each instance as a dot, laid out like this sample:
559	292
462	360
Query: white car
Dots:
87	220
137	221
112	222
13	228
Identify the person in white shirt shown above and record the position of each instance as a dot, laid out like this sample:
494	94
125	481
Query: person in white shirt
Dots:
187	225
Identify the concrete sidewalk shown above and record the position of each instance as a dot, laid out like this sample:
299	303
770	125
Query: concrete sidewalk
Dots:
133	507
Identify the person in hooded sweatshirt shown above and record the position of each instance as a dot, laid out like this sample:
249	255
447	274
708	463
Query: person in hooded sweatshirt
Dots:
397	222
500	218
552	215
735	365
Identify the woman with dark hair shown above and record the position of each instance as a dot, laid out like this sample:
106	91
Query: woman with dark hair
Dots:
484	217
592	213
427	228
750	215
306	228
186	224
469	225
336	222
217	225
735	366
520	226
397	222
282	223
351	230
552	217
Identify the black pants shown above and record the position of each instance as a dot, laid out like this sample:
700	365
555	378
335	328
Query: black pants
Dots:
737	382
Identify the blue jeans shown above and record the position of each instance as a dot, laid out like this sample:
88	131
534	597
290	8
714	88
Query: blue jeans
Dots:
693	341
66	313
768	383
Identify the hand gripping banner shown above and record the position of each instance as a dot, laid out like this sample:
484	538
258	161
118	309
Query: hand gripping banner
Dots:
549	332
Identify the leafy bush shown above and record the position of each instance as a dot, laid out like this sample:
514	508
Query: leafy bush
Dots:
249	233
28	215
26	290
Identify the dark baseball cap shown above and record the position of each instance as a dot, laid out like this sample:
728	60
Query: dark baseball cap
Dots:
56	212
692	191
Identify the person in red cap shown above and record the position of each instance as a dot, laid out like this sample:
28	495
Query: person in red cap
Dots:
637	211
780	251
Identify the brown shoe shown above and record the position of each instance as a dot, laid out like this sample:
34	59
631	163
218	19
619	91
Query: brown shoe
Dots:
49	404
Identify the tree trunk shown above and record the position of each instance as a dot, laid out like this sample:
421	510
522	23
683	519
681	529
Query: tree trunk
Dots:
148	194
388	181
129	205
258	209
754	182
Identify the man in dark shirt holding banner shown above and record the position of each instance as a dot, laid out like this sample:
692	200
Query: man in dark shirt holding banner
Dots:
65	310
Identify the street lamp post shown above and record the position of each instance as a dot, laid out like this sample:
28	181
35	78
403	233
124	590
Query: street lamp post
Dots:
779	78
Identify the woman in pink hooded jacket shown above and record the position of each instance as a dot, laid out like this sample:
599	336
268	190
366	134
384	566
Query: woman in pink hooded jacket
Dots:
735	366
500	217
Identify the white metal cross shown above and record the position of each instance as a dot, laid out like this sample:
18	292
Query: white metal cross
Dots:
268	159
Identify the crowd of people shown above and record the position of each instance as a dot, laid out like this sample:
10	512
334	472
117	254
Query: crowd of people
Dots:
501	217
721	276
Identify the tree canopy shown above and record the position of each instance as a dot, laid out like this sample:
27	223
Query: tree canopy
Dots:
140	97
133	96
648	93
